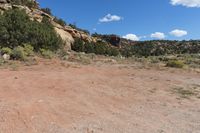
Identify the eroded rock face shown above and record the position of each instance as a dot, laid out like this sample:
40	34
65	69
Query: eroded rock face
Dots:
27	10
73	32
68	34
86	37
5	7
3	1
78	34
66	37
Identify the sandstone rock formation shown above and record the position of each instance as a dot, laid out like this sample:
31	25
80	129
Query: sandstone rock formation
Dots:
5	6
67	33
66	37
4	1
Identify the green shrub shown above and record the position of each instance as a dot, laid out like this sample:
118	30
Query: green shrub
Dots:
89	48
6	50
47	10
44	36
62	54
46	53
78	46
164	47
175	64
83	30
19	54
99	48
16	29
28	48
60	21
113	52
2	61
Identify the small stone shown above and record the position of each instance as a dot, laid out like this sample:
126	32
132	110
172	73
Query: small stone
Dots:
6	57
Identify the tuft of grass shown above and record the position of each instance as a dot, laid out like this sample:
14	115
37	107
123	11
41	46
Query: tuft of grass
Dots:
186	92
2	62
47	53
31	62
80	58
14	67
6	50
19	53
175	64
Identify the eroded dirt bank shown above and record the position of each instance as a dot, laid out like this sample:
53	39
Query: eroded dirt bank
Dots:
98	99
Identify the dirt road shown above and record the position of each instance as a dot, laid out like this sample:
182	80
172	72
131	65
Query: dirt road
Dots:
52	98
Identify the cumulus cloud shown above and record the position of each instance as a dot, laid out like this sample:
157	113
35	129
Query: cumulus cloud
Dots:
158	35
178	33
132	37
110	18
187	3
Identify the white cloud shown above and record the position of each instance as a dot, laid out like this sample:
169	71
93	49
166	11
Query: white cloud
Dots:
178	33
132	37
158	35
187	3
110	18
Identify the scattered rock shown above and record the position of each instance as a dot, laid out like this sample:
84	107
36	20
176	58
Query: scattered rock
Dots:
6	57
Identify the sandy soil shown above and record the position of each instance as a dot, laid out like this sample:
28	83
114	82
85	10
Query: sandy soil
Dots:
70	98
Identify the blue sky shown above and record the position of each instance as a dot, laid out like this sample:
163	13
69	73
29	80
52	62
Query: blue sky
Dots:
133	19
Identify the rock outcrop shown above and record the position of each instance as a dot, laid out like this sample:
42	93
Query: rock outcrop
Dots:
67	33
4	5
66	36
4	1
78	34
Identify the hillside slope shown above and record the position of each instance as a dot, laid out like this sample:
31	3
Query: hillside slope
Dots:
67	33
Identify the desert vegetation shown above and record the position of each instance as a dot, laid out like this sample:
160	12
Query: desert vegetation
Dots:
99	48
177	54
130	48
21	36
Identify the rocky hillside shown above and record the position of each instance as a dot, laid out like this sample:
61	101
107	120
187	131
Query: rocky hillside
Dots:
67	33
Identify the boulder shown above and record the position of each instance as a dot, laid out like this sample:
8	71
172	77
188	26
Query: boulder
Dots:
6	57
66	37
86	37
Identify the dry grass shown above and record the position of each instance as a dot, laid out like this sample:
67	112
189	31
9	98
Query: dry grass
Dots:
187	92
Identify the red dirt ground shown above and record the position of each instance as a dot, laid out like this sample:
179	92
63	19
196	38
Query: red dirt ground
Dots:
117	98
